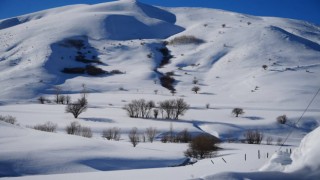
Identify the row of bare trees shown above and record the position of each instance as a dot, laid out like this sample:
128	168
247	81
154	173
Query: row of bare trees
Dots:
169	109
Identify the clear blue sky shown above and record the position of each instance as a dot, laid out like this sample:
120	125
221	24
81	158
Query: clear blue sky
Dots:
308	10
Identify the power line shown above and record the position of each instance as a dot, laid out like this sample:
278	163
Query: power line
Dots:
300	117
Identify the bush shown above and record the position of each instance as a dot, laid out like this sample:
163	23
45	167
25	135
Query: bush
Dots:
139	108
112	133
186	40
167	82
78	107
75	128
195	89
151	133
75	70
8	119
94	71
282	119
183	136
202	146
116	72
42	100
134	136
47	127
264	67
269	140
86	132
237	111
253	137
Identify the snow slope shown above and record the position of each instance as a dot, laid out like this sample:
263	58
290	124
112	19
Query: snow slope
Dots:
126	36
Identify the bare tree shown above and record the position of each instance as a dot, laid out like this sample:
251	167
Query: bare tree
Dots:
195	89
47	127
151	133
269	140
57	90
134	136
77	108
253	137
155	113
68	99
180	107
86	132
237	111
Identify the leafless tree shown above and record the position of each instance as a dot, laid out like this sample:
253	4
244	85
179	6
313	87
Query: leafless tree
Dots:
184	136
134	136
151	133
155	113
77	108
253	136
269	140
86	132
57	90
195	80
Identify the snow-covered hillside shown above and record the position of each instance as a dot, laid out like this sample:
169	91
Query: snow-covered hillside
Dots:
267	66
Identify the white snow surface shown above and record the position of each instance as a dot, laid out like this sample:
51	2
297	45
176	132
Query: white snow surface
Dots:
126	35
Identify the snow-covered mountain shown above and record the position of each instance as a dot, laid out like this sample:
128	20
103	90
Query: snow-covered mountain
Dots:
126	50
125	35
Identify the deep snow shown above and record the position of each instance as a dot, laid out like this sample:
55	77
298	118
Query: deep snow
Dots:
126	36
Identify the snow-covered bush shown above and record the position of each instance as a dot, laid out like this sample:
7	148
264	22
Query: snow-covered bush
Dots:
202	146
8	119
47	127
186	40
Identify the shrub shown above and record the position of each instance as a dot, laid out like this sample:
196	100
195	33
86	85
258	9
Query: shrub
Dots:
167	82
279	141
282	119
253	137
116	72
195	80
184	136
269	140
112	133
42	99
151	133
237	111
74	128
195	89
47	127
186	40
75	70
264	67
134	136
78	107
86	132
94	71
202	146
8	119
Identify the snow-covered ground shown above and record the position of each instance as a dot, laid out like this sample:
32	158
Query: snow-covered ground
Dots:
126	36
